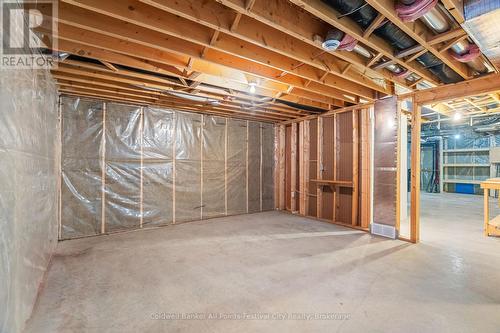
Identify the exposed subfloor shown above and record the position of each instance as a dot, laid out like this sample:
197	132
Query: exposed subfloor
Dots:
278	264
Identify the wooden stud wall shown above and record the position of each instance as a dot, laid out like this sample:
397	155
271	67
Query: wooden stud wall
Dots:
327	169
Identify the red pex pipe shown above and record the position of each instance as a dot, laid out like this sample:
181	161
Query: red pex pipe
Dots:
472	53
409	13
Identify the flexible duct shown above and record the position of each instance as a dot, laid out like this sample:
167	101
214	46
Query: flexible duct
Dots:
364	15
338	40
409	11
433	18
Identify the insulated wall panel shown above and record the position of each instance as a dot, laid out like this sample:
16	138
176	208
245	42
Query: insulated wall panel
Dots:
82	144
161	167
29	152
236	167
313	168
267	166
122	157
344	167
188	133
327	167
122	198
254	167
214	154
385	162
158	193
157	171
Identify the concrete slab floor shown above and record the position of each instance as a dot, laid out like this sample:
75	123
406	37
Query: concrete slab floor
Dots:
278	265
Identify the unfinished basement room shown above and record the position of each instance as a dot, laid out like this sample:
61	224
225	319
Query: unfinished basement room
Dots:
249	166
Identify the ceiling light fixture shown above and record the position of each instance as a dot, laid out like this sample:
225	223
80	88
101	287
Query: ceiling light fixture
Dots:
253	88
457	116
457	136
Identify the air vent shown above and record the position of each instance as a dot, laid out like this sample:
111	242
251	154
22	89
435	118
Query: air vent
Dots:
383	230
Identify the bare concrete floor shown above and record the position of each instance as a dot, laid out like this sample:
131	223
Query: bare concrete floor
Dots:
278	264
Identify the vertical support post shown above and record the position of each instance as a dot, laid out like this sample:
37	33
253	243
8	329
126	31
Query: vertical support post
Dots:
355	166
305	165
261	167
441	166
415	173
486	211
336	157
103	171
247	160
60	162
225	168
281	169
398	167
293	168
141	189
174	143
365	153
201	165
319	171
301	169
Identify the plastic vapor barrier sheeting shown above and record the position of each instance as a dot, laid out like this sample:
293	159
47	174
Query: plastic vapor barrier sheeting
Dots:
236	167
214	159
82	145
29	137
267	167
126	167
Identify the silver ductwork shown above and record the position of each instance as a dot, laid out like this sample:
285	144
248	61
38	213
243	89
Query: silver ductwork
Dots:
362	51
436	21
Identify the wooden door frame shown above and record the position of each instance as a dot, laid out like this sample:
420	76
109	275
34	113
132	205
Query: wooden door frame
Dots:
483	85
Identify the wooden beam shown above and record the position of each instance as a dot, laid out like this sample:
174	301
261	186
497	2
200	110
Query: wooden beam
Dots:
420	33
282	176
480	86
416	55
331	16
293	167
83	81
449	44
190	31
305	165
236	21
374	25
365	167
374	60
446	36
319	171
213	80
301	26
355	166
456	9
109	65
336	160
132	78
415	172
302	184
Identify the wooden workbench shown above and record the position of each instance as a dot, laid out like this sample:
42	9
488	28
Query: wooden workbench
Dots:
491	227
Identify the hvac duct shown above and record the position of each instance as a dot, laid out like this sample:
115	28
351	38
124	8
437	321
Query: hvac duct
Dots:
364	15
433	17
338	40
